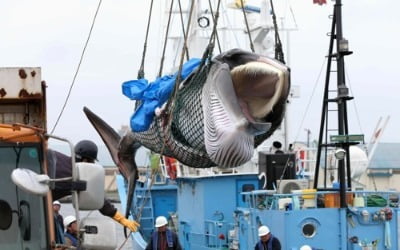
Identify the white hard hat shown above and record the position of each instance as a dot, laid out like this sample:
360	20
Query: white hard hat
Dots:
305	247
68	220
263	230
161	221
56	203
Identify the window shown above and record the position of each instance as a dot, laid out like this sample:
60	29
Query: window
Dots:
28	227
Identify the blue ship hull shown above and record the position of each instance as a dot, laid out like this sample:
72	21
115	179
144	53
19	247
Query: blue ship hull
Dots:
225	211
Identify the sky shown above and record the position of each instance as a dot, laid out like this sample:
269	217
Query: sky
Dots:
52	34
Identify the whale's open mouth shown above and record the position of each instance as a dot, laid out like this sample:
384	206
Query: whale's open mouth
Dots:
258	87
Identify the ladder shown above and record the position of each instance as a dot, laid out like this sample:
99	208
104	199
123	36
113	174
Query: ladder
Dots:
144	210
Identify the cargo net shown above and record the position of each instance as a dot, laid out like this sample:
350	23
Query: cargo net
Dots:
187	125
184	138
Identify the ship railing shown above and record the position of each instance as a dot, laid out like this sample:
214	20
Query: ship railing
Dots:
186	171
305	161
215	235
311	198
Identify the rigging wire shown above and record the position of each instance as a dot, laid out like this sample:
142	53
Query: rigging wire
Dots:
166	39
77	69
214	20
247	26
141	69
293	16
183	28
211	42
229	24
184	35
278	44
171	100
354	102
310	99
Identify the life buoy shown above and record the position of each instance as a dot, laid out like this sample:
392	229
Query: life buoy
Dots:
170	165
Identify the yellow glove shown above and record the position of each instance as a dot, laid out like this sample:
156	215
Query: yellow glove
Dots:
131	224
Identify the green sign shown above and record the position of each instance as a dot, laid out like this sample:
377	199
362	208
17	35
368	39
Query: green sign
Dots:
347	138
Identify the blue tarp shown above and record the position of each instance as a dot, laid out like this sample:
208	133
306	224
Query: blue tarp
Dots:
153	95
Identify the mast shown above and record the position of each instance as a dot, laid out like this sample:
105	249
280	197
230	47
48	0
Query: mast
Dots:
342	140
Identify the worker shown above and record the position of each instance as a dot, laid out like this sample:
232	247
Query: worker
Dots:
58	223
71	231
267	240
163	238
60	167
57	215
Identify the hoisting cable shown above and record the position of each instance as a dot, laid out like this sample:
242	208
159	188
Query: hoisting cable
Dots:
247	26
171	101
214	21
354	102
77	69
166	39
211	42
183	28
278	44
141	69
310	100
207	54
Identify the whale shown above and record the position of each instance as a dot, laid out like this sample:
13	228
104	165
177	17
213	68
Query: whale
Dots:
218	116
